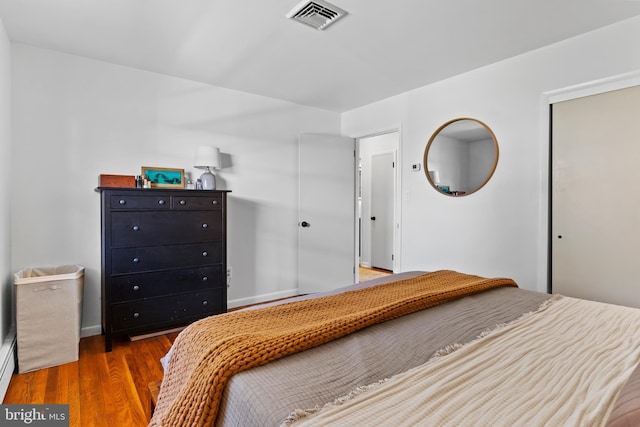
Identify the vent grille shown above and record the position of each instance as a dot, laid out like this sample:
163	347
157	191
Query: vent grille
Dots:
316	13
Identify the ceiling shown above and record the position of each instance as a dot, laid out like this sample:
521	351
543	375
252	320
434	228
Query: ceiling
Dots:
381	48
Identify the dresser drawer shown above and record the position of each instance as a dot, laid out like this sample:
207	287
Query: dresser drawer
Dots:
151	258
213	202
130	201
165	311
140	228
149	285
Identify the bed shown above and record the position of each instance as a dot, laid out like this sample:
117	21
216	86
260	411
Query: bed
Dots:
498	355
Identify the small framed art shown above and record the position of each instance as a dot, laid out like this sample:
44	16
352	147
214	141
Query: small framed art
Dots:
164	177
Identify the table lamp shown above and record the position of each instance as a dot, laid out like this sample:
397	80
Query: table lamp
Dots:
207	157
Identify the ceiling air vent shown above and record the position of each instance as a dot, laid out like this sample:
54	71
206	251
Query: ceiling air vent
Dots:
316	13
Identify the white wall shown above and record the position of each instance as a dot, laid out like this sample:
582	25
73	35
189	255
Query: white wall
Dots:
502	229
5	177
75	118
7	333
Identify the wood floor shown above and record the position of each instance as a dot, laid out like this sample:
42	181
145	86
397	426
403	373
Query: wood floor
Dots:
368	273
102	389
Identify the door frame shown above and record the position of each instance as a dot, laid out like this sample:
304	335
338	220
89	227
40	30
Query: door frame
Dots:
397	229
594	87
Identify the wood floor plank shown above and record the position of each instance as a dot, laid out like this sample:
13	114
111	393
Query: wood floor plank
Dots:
51	387
69	380
144	365
130	408
95	386
30	388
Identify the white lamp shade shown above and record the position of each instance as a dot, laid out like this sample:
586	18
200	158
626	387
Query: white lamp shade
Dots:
435	177
207	157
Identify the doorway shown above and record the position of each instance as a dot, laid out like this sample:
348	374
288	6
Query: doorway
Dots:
377	195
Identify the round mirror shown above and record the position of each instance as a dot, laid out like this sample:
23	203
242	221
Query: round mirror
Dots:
460	157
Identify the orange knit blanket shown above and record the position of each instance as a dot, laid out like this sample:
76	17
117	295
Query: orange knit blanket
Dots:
207	353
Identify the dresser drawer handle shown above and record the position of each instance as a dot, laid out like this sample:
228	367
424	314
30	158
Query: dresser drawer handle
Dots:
161	202
215	202
183	202
205	278
205	253
205	302
122	201
136	287
205	225
136	315
135	228
136	260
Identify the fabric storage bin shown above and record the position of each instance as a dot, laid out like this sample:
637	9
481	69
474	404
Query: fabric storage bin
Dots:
48	315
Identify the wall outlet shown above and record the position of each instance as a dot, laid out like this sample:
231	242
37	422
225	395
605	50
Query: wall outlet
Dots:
415	167
228	277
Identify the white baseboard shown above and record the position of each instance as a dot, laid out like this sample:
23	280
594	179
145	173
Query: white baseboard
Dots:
241	302
7	361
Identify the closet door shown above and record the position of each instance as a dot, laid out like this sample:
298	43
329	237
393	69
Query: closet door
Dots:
595	205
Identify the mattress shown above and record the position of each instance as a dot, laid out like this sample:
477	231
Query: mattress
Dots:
266	395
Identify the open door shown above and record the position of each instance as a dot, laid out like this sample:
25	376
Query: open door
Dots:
326	221
382	206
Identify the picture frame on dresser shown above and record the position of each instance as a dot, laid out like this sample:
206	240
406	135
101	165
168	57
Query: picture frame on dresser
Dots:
164	259
163	177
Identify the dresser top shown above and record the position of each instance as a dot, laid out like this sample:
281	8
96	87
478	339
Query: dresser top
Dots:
142	190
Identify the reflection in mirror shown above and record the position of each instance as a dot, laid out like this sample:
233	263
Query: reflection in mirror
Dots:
460	157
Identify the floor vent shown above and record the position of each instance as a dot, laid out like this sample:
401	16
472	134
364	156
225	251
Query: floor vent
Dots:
316	13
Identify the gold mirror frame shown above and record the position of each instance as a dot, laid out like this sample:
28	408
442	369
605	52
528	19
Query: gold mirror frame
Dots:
440	188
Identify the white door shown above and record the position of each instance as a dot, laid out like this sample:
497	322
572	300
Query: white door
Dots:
326	226
382	204
595	208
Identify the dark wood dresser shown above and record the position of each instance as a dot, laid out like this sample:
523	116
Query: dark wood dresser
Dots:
164	258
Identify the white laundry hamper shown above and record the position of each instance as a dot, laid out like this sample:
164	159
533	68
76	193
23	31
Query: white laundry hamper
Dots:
48	315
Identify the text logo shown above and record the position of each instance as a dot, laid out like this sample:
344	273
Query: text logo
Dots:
34	415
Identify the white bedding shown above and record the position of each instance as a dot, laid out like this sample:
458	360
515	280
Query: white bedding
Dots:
561	366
